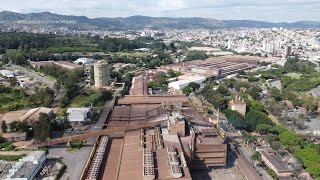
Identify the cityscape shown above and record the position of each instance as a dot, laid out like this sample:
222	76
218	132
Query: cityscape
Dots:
178	92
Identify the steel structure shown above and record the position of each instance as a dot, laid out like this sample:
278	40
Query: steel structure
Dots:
97	133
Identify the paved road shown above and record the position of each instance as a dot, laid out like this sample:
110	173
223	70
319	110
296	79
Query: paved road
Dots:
50	83
43	79
57	96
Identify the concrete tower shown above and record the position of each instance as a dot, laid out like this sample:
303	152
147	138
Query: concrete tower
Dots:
101	74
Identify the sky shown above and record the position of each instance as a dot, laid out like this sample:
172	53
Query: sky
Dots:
265	10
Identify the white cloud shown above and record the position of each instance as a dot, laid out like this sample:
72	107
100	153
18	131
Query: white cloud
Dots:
269	10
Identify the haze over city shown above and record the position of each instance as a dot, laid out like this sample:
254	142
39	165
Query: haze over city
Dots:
263	10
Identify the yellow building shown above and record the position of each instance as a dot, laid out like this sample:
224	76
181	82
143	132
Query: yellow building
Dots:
101	74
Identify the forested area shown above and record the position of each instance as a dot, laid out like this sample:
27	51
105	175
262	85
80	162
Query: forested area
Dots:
68	79
19	47
196	55
12	99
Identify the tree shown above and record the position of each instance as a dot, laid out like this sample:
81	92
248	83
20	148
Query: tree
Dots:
310	158
42	127
255	105
186	90
160	78
22	126
222	90
2	50
254	92
13	81
194	86
171	73
56	86
92	75
13	126
254	118
275	94
219	101
235	118
196	55
4	126
256	156
152	84
263	128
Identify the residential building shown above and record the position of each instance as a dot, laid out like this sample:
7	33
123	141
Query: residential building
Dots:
101	74
288	51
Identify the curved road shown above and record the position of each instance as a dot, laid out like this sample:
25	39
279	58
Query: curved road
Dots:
49	82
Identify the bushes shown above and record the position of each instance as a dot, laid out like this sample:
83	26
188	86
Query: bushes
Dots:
11	157
61	172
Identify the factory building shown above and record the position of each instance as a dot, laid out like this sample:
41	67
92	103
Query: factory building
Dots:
28	167
79	114
185	80
101	74
215	67
84	61
168	151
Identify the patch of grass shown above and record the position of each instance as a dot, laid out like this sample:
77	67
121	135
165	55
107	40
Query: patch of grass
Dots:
97	98
61	111
85	100
61	172
75	146
294	75
6	146
11	157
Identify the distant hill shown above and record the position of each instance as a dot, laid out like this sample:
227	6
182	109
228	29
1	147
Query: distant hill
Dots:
138	22
263	24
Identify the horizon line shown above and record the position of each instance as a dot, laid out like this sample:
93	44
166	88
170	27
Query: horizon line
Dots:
189	17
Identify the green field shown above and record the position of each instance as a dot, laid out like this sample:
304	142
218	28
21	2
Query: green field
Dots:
294	75
97	98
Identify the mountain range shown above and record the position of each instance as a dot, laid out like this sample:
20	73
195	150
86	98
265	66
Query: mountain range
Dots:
8	19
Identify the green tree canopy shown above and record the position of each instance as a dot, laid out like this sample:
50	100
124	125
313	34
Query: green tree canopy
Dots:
254	118
263	128
186	90
235	118
194	86
222	90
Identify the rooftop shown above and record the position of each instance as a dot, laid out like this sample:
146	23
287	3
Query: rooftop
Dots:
276	161
25	170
